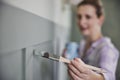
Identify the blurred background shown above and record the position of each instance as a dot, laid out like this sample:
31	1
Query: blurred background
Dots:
27	26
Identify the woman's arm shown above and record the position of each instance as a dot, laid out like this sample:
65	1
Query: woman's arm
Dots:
108	61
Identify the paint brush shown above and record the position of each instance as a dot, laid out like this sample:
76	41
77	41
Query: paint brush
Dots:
64	60
61	59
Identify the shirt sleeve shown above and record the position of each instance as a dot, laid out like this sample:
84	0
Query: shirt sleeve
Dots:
108	62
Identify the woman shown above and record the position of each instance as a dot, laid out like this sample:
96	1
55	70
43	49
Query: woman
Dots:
95	49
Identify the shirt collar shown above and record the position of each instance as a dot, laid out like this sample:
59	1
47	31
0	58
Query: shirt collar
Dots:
103	39
96	43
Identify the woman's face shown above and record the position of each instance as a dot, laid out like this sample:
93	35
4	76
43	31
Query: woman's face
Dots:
87	20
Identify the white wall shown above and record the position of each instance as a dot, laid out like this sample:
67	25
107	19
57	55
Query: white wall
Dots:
43	8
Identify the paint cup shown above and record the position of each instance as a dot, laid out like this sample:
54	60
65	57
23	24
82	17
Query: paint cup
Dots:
72	49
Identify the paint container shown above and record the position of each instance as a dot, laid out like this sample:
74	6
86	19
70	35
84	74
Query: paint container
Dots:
72	49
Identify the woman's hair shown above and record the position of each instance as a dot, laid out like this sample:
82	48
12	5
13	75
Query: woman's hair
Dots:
95	3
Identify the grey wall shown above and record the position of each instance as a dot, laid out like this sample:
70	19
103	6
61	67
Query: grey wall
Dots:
19	29
111	26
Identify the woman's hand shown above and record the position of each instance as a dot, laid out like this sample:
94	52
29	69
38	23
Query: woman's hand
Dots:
78	71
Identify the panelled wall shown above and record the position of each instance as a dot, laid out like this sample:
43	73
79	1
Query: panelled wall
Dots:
20	33
28	26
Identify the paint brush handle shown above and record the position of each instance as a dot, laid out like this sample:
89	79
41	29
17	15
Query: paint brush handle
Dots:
62	59
98	70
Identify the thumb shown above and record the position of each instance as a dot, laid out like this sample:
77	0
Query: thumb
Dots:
79	60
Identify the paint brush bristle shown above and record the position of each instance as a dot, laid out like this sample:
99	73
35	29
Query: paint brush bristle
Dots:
46	55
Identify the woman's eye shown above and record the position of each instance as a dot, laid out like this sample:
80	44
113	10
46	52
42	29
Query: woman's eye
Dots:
88	17
79	17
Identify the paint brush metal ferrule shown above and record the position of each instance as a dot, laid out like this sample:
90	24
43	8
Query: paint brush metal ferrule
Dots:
54	59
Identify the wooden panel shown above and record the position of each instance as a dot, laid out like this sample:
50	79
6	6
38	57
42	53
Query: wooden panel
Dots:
11	66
